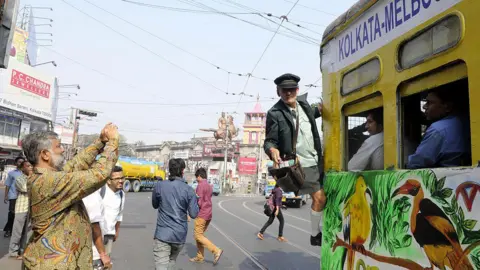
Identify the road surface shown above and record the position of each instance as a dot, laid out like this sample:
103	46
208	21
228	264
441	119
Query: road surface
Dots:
236	221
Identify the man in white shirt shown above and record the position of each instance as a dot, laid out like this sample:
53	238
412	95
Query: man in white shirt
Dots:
370	154
113	203
94	205
105	210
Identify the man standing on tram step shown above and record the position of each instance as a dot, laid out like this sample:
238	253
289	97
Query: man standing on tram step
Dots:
204	196
11	195
280	129
174	199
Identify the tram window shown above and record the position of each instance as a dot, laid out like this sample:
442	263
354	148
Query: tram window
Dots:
361	76
456	150
438	38
363	154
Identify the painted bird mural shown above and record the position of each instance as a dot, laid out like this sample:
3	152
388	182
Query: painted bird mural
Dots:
432	230
357	221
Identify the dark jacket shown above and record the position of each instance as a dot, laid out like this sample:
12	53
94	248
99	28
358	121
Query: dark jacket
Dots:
280	129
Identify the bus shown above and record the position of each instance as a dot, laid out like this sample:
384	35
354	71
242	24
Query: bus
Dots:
388	54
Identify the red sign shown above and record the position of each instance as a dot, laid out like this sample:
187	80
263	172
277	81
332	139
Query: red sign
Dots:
247	165
30	84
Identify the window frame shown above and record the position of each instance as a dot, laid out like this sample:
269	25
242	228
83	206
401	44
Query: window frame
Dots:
434	53
371	82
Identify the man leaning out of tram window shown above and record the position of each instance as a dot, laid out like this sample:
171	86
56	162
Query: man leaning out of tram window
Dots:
370	154
446	142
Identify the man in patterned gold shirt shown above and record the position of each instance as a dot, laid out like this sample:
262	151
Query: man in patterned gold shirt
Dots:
62	237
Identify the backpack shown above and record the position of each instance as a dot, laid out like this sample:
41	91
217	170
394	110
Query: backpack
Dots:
269	206
104	189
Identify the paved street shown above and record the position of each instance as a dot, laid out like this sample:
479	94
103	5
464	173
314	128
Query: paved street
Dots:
235	224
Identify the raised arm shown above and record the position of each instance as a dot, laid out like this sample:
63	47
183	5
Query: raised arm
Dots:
71	187
85	158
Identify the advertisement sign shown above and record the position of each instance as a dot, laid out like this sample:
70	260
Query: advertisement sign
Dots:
247	165
24	130
19	45
65	134
212	150
181	154
24	89
8	17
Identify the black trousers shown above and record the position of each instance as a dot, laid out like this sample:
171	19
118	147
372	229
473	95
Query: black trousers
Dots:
11	216
270	221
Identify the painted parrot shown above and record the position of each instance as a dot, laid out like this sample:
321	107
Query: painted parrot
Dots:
433	231
357	220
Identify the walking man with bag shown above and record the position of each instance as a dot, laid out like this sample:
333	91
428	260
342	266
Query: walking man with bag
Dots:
276	197
292	135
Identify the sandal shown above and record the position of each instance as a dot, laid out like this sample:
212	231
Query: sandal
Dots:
260	236
282	239
197	260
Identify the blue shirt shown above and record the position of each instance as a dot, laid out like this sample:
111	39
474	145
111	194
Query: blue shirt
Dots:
445	144
10	183
173	199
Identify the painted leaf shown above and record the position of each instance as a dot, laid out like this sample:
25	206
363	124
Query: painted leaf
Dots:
440	183
405	227
406	207
396	244
439	199
462	215
448	210
446	193
407	240
373	238
454	203
469	224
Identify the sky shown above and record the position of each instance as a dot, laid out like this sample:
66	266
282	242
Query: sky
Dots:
156	92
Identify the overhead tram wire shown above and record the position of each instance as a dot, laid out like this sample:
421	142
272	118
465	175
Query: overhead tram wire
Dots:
263	53
171	43
311	8
200	5
162	104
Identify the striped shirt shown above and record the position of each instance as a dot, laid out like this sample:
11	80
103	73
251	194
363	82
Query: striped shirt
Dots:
21	205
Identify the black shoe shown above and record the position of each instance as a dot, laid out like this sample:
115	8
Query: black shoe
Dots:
7	234
317	240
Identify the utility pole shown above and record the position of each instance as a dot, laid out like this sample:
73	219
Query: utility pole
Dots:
75	128
226	157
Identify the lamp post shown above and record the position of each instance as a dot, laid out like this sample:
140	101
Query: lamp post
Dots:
44	63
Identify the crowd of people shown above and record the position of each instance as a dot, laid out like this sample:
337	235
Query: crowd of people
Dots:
67	215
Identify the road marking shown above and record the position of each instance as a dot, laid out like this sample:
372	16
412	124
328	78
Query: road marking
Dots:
295	227
243	250
299	218
248	222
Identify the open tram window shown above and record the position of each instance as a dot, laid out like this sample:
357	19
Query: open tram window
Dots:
365	141
436	127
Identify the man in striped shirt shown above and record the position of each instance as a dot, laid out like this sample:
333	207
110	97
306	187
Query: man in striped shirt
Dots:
19	232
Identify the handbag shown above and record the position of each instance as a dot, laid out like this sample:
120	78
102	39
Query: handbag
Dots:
268	206
290	178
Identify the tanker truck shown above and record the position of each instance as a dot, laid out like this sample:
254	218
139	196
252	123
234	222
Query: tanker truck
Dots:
140	174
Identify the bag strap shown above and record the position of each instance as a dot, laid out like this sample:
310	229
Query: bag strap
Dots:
297	125
102	191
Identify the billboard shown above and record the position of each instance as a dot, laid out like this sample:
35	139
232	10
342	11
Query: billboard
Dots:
65	134
19	46
247	165
32	48
8	17
24	89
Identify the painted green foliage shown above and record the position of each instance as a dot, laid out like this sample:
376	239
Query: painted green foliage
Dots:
390	232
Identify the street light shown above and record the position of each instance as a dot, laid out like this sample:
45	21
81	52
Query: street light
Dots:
42	18
70	86
45	39
43	24
43	33
51	9
49	62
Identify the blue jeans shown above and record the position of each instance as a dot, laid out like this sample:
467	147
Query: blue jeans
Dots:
165	254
